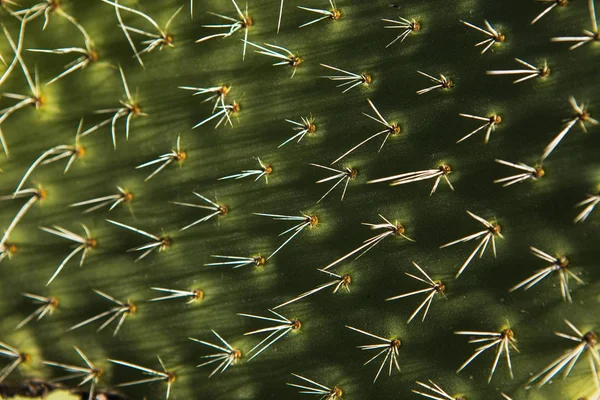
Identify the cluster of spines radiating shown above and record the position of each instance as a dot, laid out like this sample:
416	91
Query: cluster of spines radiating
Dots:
279	325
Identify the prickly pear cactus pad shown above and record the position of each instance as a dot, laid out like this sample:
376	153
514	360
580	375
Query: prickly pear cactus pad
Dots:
300	199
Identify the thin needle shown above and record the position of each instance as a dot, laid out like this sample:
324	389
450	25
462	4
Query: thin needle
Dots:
87	55
490	124
280	15
533	173
175	155
559	265
281	53
553	4
529	72
494	36
89	373
589	36
6	249
238	262
45	8
47	305
503	341
438	173
283	327
224	114
157	39
333	13
214	208
122	197
17	358
590	203
441	83
121	311
264	171
57	153
129	110
389	229
387	347
194	295
158	243
586	344
485	236
435	287
164	375
225	357
36	98
390	129
308	386
408	27
17	49
303	222
306	126
83	245
233	25
344	175
217	93
582	115
437	393
339	282
349	79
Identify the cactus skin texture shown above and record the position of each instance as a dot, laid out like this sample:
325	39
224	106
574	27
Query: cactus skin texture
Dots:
537	212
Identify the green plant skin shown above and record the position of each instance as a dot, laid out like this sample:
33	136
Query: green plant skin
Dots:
536	213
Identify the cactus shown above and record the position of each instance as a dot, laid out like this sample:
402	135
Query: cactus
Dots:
280	192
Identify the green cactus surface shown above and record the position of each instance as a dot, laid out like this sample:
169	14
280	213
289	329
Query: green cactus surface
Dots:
386	287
